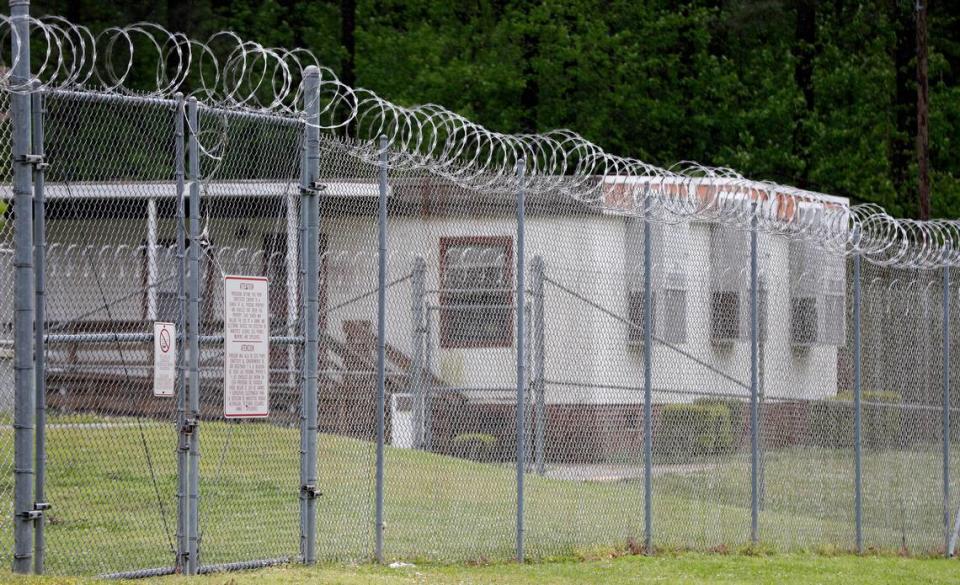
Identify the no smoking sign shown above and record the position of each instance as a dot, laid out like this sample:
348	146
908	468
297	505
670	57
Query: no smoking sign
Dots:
164	358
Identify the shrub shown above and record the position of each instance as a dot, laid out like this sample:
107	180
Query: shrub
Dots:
476	446
832	420
688	431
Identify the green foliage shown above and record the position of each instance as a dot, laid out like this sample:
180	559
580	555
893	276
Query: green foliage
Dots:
882	420
476	446
686	432
718	82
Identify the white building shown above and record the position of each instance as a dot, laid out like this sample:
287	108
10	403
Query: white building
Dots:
114	244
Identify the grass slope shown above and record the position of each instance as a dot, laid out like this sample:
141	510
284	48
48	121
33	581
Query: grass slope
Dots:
689	569
112	514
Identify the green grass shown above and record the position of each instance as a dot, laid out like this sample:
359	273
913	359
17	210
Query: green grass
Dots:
689	569
106	515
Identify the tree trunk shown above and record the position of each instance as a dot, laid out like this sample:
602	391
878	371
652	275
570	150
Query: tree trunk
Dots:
804	52
923	138
905	101
348	28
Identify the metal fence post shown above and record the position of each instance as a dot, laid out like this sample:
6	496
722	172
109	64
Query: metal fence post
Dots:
183	439
418	288
193	337
539	371
521	304
754	385
647	381
25	391
381	344
428	383
39	252
946	409
857	423
310	210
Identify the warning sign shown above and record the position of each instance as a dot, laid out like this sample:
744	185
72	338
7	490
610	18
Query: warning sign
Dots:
164	358
246	323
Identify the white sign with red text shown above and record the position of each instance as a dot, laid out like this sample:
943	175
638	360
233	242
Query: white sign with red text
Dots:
246	345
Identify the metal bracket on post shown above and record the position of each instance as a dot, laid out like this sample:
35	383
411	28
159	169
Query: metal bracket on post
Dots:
313	187
310	492
36	514
37	161
521	304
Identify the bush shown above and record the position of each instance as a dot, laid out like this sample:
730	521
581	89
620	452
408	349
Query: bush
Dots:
832	420
476	446
688	431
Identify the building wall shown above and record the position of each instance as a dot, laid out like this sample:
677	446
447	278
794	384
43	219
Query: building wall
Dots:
588	357
587	350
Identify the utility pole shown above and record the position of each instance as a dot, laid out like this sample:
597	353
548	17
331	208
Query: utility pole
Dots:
923	126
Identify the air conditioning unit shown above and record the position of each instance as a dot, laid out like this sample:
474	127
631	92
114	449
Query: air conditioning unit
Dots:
635	314
804	324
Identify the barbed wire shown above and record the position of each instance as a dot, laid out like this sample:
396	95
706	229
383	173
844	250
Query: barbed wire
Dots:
229	72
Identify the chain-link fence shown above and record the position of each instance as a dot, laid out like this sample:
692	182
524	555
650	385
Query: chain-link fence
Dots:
461	365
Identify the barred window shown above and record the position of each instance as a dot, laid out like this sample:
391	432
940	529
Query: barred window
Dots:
668	284
817	295
729	285
476	296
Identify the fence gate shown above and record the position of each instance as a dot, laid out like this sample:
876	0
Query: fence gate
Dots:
112	269
123	210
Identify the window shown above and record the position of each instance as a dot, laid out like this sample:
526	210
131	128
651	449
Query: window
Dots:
817	295
476	296
668	281
730	287
834	314
724	315
729	284
164	290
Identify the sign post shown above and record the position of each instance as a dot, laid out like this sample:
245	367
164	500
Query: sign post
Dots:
246	347
164	358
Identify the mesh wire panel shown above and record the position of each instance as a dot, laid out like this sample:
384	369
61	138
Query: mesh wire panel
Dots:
953	476
585	432
701	383
451	346
110	444
250	222
348	339
6	332
806	381
450	490
902	429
